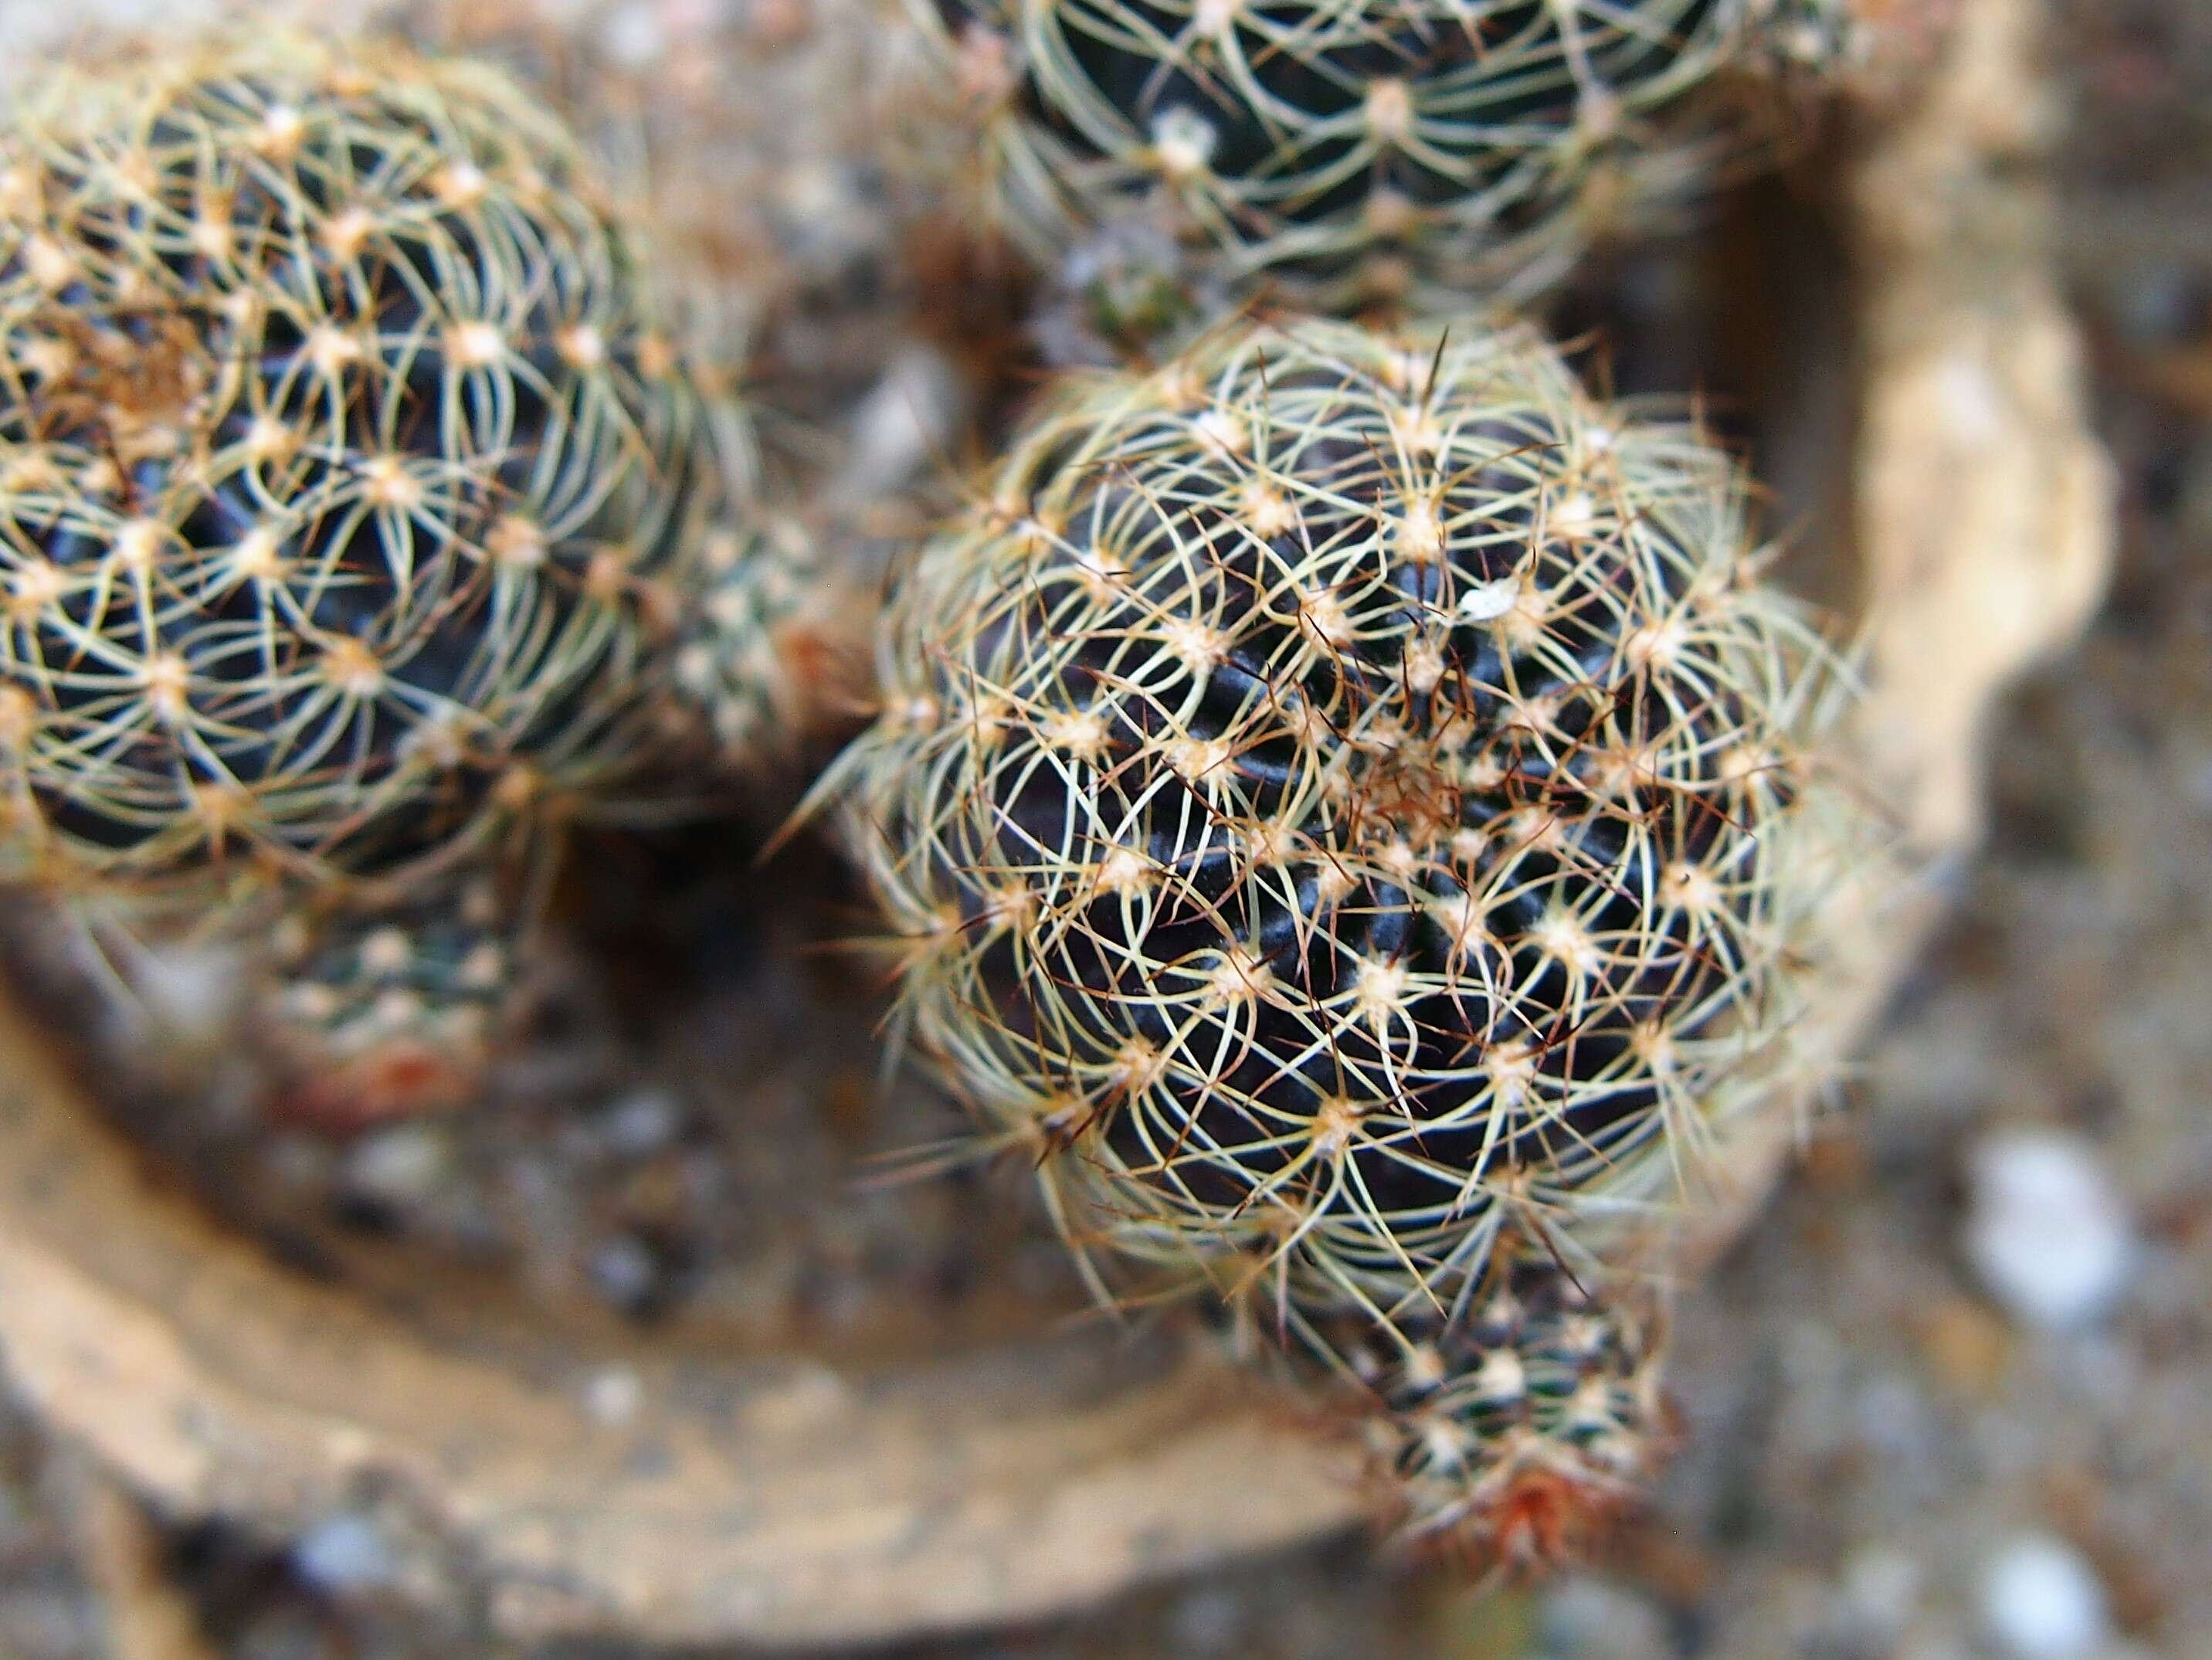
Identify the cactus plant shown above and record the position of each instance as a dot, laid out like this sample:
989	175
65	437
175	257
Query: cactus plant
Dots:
774	644
377	1010
1511	1430
1345	797
351	483
1360	150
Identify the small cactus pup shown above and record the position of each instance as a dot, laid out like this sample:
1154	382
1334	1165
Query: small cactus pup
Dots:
1358	152
1511	1431
352	485
773	649
378	1010
1342	797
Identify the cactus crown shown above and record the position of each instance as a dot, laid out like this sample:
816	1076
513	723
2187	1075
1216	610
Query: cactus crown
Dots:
349	483
1358	148
1344	784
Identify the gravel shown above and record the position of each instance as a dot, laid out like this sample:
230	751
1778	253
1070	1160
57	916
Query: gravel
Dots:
2047	1229
2040	1601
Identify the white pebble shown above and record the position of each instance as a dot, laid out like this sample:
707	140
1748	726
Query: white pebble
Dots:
2041	1601
1881	1591
399	1165
903	424
632	36
2046	1229
641	1122
345	1555
613	1394
191	991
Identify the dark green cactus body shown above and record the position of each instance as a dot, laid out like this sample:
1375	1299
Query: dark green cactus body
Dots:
1356	150
349	486
1345	788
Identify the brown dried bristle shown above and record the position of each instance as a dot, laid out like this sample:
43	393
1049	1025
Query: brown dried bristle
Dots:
1339	799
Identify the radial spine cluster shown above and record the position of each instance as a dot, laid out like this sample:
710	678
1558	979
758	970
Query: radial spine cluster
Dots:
1337	798
351	484
1357	150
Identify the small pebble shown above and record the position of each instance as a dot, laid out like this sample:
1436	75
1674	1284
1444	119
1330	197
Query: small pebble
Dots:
399	1165
641	1124
1879	1593
903	424
632	36
345	1555
1207	1621
2046	1229
613	1396
624	1272
1585	1618
191	991
2041	1601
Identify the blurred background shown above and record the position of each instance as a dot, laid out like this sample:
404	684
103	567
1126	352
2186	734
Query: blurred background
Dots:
1951	1399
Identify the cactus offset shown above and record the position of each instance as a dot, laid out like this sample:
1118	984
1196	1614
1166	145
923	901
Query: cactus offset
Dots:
350	485
774	648
1509	1431
373	1012
1343	793
1360	150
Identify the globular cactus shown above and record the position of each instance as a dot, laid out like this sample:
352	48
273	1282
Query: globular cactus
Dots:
373	1011
1120	296
352	484
1510	1431
1342	799
1358	151
774	646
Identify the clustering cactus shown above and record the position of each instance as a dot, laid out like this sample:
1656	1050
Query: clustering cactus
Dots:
1358	150
352	487
1341	797
373	1011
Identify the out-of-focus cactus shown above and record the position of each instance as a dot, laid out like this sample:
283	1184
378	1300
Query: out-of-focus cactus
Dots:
1511	1430
1125	294
375	1012
352	488
775	648
1341	800
1359	151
